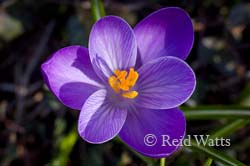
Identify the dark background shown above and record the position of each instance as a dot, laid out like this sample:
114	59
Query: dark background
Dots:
35	129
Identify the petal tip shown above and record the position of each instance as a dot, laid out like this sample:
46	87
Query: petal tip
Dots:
177	34
99	121
112	44
169	122
172	86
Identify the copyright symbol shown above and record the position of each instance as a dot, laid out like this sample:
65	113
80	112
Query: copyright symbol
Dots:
150	140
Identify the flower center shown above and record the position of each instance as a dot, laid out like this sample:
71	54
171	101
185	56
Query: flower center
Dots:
122	82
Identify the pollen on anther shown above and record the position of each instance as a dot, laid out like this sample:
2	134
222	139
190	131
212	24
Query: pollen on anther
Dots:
122	82
130	95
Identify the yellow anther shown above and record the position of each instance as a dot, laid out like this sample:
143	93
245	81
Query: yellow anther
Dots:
122	82
124	85
130	95
121	75
132	77
113	82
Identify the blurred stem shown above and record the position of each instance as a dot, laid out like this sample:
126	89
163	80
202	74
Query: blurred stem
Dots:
147	160
216	114
65	146
162	161
225	131
208	162
216	155
230	128
97	9
215	107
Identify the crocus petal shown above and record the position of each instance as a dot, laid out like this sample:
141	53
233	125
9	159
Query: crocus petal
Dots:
151	132
166	32
99	120
70	76
112	46
164	83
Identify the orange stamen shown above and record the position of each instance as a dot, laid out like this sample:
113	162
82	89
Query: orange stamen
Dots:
122	82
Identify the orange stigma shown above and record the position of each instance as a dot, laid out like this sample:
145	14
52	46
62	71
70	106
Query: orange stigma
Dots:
122	82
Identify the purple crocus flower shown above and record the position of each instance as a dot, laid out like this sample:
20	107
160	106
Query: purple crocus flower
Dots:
129	82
